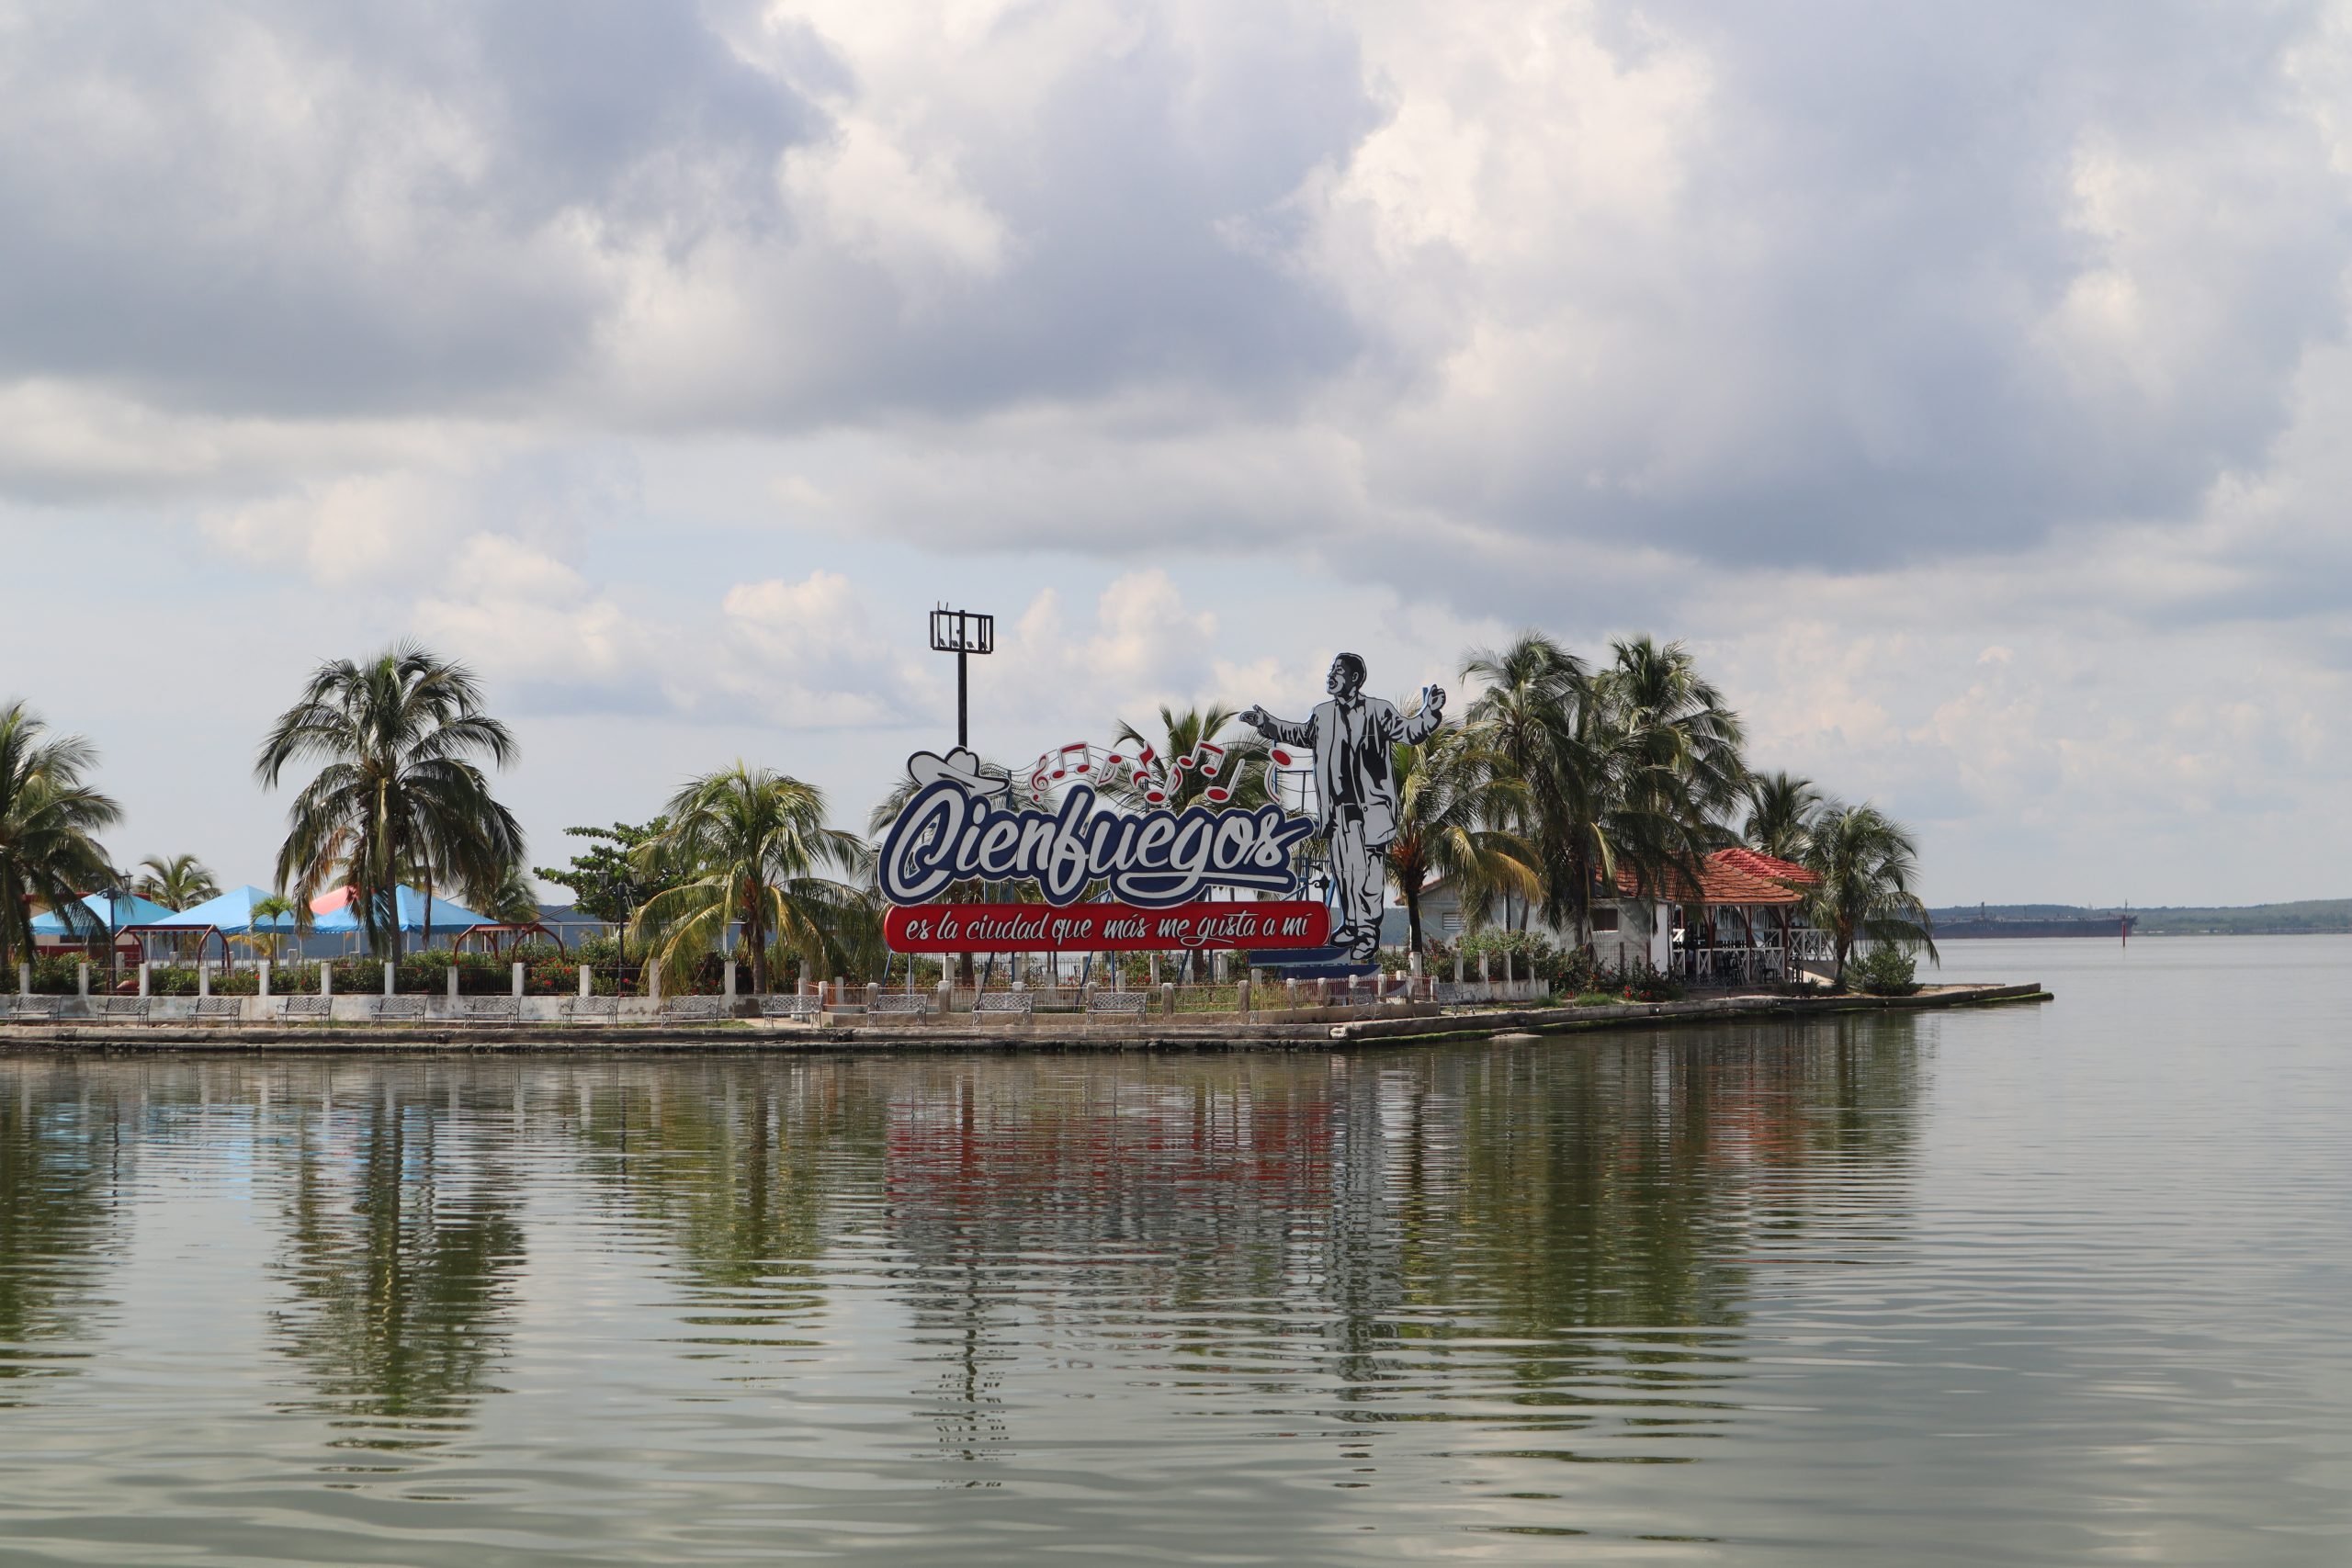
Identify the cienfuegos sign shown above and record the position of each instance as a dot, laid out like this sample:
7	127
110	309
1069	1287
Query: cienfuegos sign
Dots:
1105	928
1110	879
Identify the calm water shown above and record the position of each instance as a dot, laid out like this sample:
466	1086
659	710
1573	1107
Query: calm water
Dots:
2041	1285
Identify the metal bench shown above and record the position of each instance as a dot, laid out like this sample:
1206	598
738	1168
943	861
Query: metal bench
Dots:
796	1006
308	1006
1445	993
901	1004
1005	1004
113	1008
491	1010
28	1010
1135	1004
230	1007
691	1009
577	1010
396	1009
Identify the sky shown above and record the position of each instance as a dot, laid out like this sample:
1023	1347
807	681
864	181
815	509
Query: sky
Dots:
1961	383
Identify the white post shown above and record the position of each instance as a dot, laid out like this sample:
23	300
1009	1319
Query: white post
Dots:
652	980
82	978
587	981
1155	971
1413	965
1241	996
453	982
1168	1000
143	965
1290	994
731	985
1457	967
872	996
204	977
263	972
326	979
391	977
946	998
518	977
24	979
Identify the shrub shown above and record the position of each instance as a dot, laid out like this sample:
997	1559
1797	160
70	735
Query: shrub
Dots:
1883	971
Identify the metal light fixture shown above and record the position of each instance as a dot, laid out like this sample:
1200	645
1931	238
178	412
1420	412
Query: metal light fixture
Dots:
962	633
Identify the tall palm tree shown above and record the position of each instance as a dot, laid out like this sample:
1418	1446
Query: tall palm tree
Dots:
510	897
1525	716
1781	808
49	821
750	846
399	735
178	882
1867	862
1449	795
1677	723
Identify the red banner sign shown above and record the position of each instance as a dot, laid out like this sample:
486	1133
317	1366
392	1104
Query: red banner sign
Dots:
1104	928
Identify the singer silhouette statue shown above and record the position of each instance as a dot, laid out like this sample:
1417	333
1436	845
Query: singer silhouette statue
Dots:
1355	786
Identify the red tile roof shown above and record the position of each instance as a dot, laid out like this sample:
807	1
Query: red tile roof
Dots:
1737	876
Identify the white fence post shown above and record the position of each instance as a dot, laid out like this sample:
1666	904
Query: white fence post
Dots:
1168	1000
946	998
453	982
326	979
82	978
204	977
518	979
264	979
144	965
731	985
1241	996
391	977
24	979
587	981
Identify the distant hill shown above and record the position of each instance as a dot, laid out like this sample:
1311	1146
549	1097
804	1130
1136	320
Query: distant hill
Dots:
2309	917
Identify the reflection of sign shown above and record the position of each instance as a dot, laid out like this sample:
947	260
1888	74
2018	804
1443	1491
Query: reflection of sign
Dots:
1104	928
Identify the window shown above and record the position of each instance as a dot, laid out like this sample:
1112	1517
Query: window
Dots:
1604	917
1450	923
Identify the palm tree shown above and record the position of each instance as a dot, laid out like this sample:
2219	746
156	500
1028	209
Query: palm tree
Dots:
261	936
1867	862
1781	808
48	817
1239	773
1675	723
511	898
1524	717
181	882
749	846
400	789
1450	794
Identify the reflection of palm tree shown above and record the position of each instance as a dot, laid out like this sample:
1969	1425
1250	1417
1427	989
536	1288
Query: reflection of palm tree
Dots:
399	1278
57	1216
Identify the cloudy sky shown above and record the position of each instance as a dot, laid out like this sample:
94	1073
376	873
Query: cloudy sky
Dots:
1964	383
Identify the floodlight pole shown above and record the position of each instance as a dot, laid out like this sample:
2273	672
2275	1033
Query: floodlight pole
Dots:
962	633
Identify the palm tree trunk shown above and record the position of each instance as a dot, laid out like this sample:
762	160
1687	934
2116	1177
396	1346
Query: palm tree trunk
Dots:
1413	913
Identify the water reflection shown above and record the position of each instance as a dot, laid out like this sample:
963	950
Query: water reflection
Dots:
401	1243
60	1163
1490	1254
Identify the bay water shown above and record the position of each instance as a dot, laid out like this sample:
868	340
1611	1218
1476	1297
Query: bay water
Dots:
2045	1284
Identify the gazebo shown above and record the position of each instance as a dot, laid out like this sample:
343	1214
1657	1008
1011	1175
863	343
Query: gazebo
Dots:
1738	924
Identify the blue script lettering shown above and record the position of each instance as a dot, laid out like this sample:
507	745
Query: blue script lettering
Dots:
1154	859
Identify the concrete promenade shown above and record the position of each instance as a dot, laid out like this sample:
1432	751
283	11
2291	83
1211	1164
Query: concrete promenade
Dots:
1306	1028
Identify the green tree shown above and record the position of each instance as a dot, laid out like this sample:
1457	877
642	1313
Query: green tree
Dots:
50	818
399	788
604	881
261	936
1781	808
1867	862
748	846
178	882
1451	793
509	897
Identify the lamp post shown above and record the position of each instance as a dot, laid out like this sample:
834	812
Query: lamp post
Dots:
962	633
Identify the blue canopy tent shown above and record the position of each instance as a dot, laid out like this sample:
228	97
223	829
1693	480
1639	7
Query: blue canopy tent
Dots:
232	914
448	917
124	910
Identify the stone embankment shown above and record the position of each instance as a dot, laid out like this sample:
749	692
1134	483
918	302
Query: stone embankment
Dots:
1318	1029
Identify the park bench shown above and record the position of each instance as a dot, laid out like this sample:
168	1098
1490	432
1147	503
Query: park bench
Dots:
133	1008
1005	1004
491	1010
30	1009
1106	1004
901	1004
691	1009
396	1009
579	1010
798	1005
230	1007
294	1009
